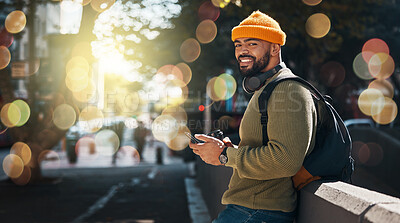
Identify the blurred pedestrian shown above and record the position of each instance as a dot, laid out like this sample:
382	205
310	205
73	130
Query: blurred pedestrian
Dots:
118	127
139	136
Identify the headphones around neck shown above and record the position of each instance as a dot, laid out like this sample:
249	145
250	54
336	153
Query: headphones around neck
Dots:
253	83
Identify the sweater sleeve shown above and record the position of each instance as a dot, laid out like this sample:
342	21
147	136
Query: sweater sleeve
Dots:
291	126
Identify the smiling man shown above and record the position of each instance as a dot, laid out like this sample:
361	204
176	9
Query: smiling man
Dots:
261	188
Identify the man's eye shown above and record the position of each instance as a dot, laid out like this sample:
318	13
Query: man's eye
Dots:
253	44
237	45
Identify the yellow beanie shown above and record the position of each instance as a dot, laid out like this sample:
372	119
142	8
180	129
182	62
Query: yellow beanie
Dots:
261	26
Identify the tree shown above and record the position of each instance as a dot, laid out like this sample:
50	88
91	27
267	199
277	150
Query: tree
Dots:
352	24
40	133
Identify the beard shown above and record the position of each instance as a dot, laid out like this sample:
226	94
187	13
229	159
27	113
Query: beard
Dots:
257	67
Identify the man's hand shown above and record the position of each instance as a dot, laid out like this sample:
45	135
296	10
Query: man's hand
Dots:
208	151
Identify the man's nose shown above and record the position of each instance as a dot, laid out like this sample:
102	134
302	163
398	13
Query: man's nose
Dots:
243	50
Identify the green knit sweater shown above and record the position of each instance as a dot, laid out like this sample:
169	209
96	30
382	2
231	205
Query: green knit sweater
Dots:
261	176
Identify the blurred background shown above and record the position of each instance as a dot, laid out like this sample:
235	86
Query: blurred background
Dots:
90	80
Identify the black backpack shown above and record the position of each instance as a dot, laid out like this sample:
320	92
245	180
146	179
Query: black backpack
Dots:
331	157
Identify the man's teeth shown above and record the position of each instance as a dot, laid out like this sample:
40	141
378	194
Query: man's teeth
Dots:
245	60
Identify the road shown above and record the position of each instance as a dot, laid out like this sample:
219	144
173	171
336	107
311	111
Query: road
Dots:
58	158
95	190
144	193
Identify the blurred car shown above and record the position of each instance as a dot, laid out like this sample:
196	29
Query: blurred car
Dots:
359	122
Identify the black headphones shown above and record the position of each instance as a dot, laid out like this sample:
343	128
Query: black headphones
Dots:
251	84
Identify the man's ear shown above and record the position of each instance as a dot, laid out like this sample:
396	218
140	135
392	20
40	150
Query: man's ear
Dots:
275	49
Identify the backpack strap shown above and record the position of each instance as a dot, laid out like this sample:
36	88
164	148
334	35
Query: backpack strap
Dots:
266	93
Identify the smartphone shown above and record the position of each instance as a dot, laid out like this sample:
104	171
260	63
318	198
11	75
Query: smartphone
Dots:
193	139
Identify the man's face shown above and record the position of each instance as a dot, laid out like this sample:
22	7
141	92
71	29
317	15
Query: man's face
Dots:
252	55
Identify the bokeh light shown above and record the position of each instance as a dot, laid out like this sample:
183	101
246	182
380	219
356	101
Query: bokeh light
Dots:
24	178
107	142
10	115
24	111
77	85
83	49
49	159
3	130
101	5
387	113
210	89
186	72
86	146
176	94
16	113
91	119
360	68
33	67
176	112
6	38
225	86
222	87
169	72
15	21
13	165
86	94
131	123
206	31
372	47
220	3
369	99
355	152
130	102
312	2
77	67
363	154
332	74
165	128
130	153
190	50
225	122
370	154
318	25
64	116
180	141
5	57
381	66
208	11
23	151
383	86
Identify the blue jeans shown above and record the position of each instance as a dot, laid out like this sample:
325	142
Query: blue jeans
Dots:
239	214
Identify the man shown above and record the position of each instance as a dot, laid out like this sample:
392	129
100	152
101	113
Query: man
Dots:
260	189
139	136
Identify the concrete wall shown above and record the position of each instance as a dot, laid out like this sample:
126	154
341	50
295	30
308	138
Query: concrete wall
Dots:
213	181
342	202
332	202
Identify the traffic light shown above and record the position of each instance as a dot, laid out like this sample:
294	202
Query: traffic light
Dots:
201	108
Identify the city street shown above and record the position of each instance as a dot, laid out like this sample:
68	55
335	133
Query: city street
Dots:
145	193
95	190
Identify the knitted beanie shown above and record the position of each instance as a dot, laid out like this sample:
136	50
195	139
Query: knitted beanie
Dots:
261	26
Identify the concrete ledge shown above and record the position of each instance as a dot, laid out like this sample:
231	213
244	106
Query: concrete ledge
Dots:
383	213
342	202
